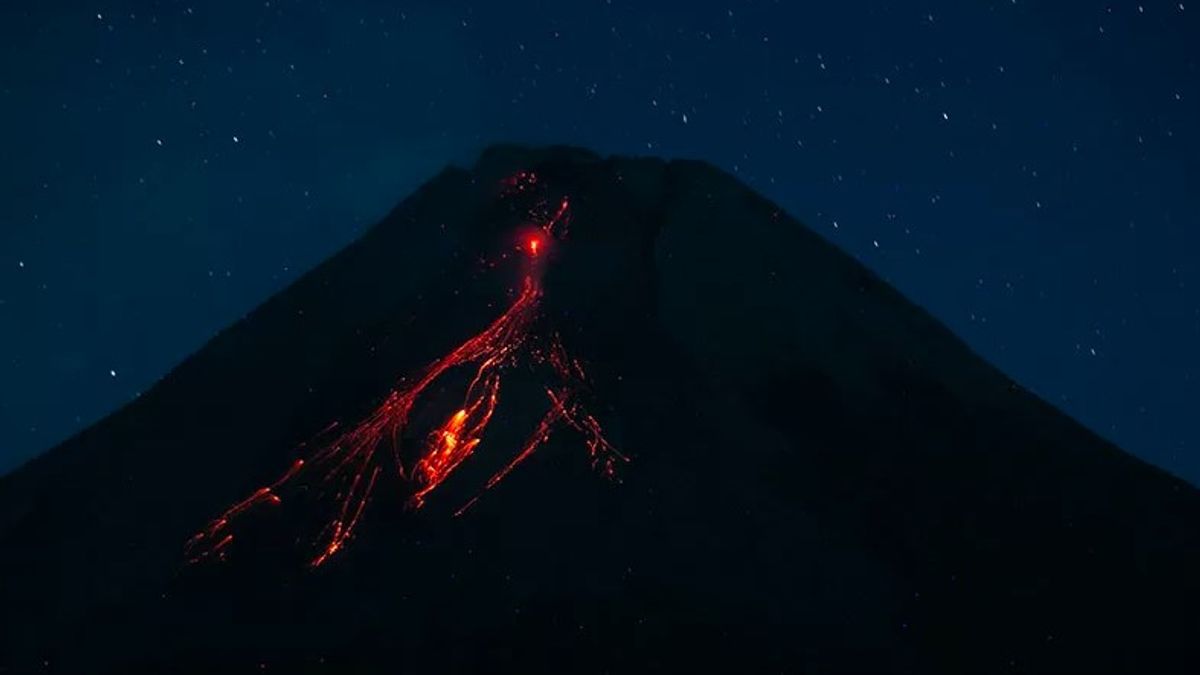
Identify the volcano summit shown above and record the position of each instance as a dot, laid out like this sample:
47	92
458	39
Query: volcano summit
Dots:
565	413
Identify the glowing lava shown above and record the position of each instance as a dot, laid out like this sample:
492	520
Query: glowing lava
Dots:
350	465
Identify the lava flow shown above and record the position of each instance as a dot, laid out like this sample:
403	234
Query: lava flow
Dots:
350	465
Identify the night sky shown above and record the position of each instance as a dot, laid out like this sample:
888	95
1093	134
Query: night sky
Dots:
1027	171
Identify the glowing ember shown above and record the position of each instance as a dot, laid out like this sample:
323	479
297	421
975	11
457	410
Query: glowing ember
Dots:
349	465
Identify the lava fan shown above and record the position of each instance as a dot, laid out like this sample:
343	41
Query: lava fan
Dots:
356	460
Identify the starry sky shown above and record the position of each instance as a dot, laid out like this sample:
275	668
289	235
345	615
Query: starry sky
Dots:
1027	171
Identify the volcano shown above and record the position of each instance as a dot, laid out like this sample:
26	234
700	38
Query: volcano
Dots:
566	413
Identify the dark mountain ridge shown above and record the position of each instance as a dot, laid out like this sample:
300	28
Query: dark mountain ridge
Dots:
822	477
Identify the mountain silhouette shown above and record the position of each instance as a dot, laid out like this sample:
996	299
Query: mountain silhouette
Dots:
819	478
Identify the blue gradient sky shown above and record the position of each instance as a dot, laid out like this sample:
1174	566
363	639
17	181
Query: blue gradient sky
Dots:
1027	171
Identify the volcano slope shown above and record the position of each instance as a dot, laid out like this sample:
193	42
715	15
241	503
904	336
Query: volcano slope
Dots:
810	475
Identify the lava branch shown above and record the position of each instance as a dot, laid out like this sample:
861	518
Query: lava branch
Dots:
213	539
349	465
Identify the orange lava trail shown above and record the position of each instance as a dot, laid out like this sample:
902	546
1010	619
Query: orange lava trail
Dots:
198	546
540	435
348	466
